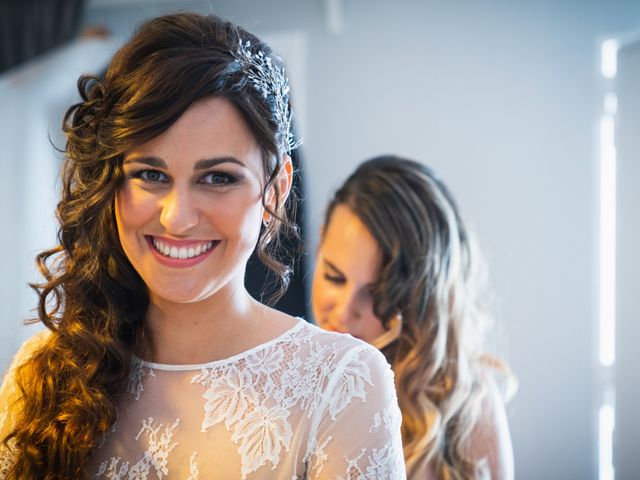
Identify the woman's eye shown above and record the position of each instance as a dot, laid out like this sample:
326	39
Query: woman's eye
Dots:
335	279
218	178
152	176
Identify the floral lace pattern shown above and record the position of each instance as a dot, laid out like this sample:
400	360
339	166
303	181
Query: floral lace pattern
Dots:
6	462
309	404
155	456
137	374
194	473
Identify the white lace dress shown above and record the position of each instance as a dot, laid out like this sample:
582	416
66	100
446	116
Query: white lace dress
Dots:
308	404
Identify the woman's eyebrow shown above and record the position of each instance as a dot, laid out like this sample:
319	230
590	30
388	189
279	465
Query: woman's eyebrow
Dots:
332	266
212	162
151	161
200	164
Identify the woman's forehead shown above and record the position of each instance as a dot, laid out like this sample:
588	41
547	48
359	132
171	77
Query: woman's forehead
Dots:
209	128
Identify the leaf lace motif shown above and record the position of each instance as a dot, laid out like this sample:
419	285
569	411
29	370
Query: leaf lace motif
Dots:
254	397
350	385
262	434
228	397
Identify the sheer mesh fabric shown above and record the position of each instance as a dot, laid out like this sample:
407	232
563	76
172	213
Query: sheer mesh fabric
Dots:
308	404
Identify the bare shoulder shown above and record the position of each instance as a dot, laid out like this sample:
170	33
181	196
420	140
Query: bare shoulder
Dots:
491	439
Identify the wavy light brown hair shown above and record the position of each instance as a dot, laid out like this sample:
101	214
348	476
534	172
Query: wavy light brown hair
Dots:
432	278
92	300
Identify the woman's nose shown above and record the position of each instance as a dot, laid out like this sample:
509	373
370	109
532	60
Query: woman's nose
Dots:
179	212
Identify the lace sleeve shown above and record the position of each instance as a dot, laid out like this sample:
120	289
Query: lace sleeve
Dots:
9	399
357	431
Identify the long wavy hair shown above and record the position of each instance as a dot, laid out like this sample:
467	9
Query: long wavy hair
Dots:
92	300
432	281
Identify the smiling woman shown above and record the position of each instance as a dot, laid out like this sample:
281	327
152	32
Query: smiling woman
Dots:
156	362
196	186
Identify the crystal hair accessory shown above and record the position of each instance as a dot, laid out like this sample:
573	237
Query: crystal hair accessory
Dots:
268	79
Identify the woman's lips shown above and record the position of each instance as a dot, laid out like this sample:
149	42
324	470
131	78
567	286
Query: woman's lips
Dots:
180	253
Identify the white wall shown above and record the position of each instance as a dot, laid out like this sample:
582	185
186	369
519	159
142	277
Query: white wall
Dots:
502	99
33	97
627	431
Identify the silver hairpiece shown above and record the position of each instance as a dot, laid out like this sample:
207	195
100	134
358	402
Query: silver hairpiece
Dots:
267	79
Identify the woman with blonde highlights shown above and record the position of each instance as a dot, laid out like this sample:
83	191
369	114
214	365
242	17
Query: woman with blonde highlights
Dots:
155	362
398	268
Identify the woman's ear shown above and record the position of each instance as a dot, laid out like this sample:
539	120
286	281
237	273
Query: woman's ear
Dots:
283	180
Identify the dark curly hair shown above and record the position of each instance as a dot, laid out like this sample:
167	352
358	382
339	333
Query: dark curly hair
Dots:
92	300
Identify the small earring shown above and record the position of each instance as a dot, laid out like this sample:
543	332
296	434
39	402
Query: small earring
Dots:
266	220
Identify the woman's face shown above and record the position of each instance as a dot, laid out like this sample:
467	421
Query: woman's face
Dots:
189	210
348	265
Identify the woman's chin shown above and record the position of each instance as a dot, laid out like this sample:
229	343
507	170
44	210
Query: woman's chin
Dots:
179	296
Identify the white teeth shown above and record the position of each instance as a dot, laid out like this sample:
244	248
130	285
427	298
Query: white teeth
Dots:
182	252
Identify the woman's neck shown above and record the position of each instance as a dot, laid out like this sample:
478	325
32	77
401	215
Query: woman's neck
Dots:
199	332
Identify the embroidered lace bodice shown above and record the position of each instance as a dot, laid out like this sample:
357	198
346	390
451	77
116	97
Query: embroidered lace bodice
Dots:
308	404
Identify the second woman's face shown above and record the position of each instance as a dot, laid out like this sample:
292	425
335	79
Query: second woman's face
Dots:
348	265
189	210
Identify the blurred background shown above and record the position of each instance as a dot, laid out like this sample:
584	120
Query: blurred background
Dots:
530	111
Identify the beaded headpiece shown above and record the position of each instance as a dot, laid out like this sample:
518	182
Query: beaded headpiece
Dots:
267	79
